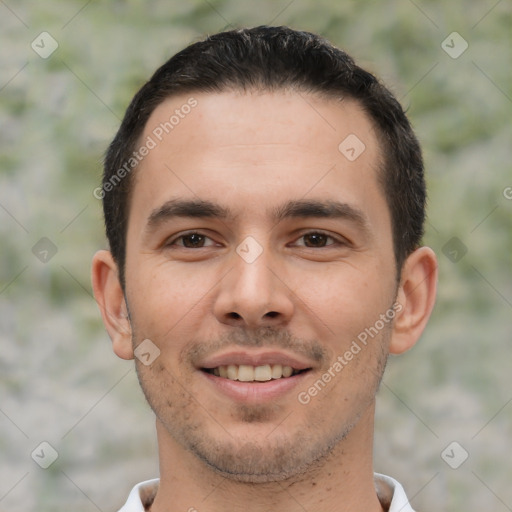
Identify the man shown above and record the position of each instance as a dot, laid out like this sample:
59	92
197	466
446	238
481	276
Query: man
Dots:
264	204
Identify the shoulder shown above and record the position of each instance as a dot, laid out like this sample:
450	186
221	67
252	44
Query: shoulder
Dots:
141	496
391	494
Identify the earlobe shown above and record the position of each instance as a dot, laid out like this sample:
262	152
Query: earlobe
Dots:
416	298
110	298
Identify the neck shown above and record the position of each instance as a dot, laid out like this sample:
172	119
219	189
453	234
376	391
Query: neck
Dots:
341	482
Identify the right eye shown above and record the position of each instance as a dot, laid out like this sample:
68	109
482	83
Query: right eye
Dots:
191	240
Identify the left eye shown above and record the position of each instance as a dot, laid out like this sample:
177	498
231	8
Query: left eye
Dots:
315	239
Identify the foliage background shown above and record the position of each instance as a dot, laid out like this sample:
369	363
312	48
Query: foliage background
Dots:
60	382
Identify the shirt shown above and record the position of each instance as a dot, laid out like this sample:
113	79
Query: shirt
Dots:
391	495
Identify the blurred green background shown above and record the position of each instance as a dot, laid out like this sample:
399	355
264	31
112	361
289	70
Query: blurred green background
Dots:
59	381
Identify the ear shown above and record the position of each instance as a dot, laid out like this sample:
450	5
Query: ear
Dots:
415	299
110	298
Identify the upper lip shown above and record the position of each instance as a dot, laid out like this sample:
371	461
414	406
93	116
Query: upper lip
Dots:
239	357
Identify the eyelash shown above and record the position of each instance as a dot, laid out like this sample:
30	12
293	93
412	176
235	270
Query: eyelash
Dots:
184	235
336	241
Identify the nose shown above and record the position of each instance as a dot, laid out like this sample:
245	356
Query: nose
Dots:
254	293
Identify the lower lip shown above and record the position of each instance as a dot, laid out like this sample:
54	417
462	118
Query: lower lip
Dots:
254	392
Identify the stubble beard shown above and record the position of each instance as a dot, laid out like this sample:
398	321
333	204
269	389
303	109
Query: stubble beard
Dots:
278	456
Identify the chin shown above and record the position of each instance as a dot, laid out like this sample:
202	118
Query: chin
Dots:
268	460
256	474
256	478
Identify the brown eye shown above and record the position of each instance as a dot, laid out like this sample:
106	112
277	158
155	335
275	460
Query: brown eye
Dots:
316	240
193	240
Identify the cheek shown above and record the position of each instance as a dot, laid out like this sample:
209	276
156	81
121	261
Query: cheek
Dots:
165	299
345	300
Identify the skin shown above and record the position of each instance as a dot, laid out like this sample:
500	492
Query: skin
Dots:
305	296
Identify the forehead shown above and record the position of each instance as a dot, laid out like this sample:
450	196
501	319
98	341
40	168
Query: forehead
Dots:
256	147
259	118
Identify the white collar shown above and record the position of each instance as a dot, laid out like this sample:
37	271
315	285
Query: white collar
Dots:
391	495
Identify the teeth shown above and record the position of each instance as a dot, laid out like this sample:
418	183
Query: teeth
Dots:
232	372
287	371
262	373
247	373
277	371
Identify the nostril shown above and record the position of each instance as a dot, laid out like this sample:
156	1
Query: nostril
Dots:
234	315
272	314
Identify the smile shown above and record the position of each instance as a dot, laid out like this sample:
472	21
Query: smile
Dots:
248	373
255	376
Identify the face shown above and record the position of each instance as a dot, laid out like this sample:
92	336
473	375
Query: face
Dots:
257	248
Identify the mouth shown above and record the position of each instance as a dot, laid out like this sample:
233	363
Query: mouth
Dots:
249	373
255	377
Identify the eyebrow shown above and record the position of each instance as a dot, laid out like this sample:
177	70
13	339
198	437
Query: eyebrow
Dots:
321	209
185	208
291	209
